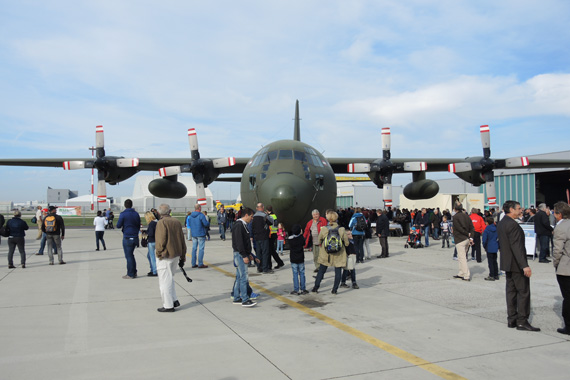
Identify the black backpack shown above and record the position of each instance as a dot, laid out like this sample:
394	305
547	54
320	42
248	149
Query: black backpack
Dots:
333	242
360	224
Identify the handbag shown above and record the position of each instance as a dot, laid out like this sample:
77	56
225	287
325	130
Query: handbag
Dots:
34	220
144	240
350	262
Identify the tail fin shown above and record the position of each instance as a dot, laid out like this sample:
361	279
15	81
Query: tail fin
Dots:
297	133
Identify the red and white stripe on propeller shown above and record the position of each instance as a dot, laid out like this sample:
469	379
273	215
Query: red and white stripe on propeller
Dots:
387	190
491	195
169	170
386	141
485	136
358	168
193	141
459	167
419	166
99	137
516	162
72	165
127	162
201	194
224	162
101	191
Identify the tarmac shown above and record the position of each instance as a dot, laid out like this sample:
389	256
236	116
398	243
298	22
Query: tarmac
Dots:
410	319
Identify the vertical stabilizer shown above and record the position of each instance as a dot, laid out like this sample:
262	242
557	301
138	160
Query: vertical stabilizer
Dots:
297	133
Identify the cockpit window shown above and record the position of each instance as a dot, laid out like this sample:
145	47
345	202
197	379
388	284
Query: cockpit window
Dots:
300	156
271	156
285	154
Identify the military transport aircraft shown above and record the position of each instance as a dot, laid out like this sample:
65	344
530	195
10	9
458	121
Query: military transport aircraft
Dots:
290	175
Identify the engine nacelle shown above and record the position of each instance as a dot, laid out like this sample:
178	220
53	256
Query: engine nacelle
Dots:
167	187
474	177
421	189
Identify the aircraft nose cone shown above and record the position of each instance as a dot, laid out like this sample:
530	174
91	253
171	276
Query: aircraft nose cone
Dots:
289	195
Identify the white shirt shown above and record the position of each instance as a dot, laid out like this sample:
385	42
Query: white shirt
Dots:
99	222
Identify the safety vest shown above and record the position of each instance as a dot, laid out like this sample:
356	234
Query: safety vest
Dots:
273	227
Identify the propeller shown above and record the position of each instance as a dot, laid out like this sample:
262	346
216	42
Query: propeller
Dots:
384	168
105	165
202	169
486	164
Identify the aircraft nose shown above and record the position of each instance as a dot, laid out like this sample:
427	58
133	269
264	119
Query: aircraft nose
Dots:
288	194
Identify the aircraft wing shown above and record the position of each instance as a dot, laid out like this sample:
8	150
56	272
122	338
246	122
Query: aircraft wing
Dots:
340	165
146	164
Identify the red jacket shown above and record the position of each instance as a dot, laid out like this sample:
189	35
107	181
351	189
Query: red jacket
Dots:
478	222
307	233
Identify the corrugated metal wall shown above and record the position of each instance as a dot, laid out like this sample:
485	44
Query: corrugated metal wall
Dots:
518	187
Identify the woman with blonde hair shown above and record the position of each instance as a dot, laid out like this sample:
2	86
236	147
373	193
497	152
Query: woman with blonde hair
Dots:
326	259
150	230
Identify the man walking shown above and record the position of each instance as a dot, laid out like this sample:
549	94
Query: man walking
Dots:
463	235
311	234
543	231
241	245
222	219
515	265
130	222
170	250
383	231
198	226
561	258
273	240
478	227
54	228
260	229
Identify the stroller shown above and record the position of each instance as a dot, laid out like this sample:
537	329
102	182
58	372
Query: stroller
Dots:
414	239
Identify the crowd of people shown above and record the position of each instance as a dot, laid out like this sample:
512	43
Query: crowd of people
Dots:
339	240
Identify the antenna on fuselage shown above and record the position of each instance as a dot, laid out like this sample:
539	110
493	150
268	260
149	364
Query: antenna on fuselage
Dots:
297	133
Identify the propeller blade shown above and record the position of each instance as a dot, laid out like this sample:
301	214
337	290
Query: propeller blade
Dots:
486	140
99	137
224	162
127	162
358	168
516	162
169	170
193	141
101	191
387	195
72	165
201	194
415	166
491	195
459	167
385	138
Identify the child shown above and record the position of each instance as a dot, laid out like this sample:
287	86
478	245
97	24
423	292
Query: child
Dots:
491	245
207	228
350	255
281	233
297	257
445	232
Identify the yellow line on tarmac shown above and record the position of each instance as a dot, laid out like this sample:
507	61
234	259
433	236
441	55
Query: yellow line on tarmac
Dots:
410	358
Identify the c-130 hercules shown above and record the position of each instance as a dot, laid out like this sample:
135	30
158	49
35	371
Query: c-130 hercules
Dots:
289	175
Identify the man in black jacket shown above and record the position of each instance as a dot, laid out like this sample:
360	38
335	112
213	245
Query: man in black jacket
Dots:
543	231
515	265
260	228
54	228
17	229
241	244
383	231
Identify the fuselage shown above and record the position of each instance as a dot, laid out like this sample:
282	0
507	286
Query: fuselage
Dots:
293	178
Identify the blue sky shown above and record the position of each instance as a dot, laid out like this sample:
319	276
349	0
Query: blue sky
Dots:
433	71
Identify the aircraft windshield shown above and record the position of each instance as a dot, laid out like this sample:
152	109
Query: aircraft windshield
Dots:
308	156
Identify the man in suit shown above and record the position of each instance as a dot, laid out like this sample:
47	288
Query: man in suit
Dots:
515	265
383	231
543	231
561	256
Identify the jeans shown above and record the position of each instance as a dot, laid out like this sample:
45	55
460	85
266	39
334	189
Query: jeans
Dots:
189	233
14	242
359	245
198	242
129	245
298	274
544	241
222	228
426	234
151	257
240	286
99	236
444	239
280	246
264	254
345	276
436	233
321	274
476	247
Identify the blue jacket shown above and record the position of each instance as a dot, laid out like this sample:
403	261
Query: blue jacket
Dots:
130	222
17	227
352	224
198	224
491	239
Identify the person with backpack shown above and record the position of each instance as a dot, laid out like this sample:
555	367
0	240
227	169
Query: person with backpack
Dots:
358	226
16	227
332	253
54	227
